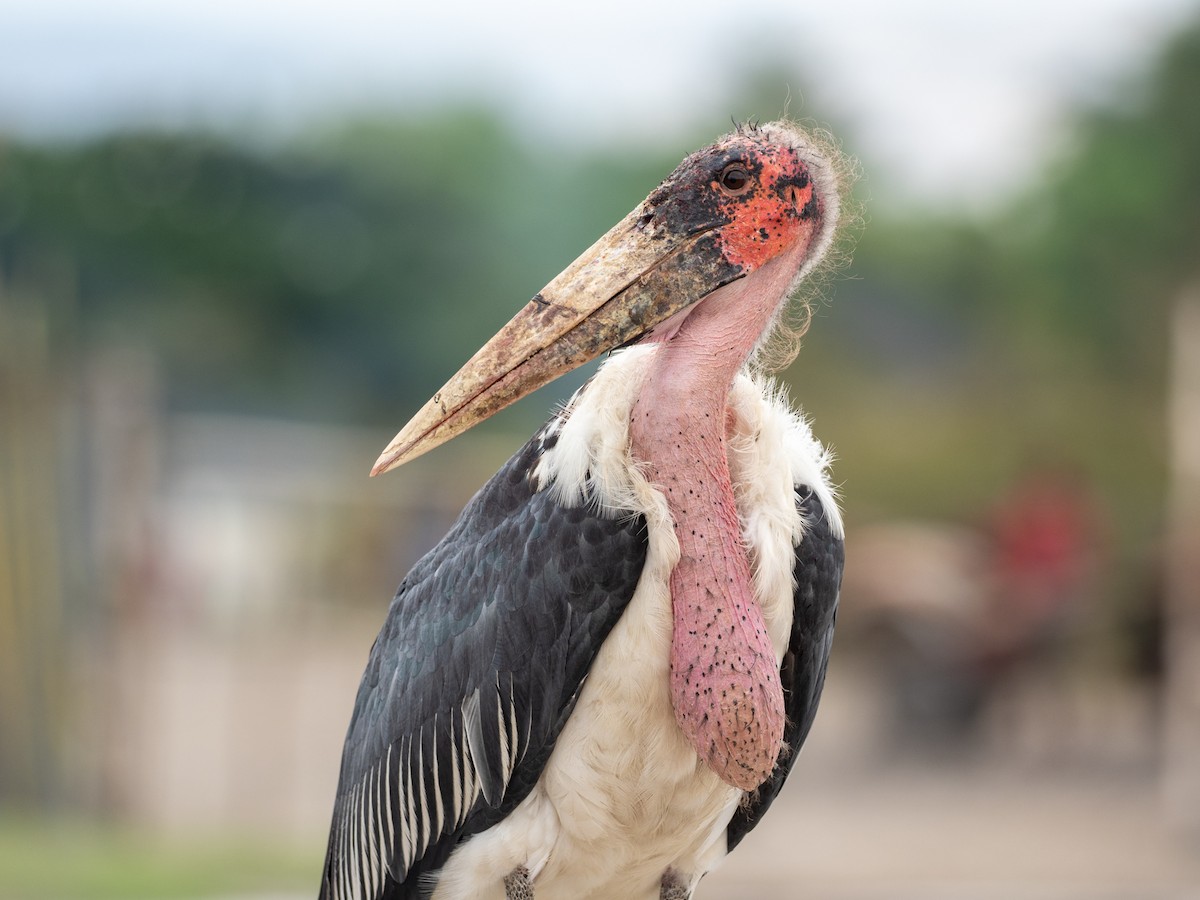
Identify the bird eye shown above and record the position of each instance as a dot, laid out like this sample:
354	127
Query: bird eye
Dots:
735	179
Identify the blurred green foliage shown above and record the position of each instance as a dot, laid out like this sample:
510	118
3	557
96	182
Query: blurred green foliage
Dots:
323	279
1037	332
64	861
1117	224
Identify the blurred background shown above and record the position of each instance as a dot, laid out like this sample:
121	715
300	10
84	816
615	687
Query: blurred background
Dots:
241	242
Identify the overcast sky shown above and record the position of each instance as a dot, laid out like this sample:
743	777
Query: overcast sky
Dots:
946	98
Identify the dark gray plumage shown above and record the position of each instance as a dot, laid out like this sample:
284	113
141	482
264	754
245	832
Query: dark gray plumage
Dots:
512	606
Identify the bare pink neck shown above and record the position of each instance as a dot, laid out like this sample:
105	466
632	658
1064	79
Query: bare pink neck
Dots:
725	684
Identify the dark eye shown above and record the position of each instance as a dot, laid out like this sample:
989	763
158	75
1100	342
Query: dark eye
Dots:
735	179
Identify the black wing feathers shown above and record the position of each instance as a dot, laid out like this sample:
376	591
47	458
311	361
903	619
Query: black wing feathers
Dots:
818	572
472	678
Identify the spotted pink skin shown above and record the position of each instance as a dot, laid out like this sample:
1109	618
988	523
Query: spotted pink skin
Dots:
725	685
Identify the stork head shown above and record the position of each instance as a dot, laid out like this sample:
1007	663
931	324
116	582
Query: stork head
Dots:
758	196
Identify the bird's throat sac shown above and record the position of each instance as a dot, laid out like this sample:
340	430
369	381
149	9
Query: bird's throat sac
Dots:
725	685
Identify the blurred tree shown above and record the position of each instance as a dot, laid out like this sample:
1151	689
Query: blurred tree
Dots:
1039	329
1115	228
292	281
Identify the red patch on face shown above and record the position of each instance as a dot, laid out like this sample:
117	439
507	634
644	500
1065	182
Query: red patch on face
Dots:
771	215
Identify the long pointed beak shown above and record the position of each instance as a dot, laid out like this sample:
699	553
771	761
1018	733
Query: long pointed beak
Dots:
633	278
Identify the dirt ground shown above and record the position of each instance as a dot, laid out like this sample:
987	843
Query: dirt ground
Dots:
963	833
1058	799
1061	800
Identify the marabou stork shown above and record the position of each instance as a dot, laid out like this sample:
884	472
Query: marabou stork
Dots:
596	684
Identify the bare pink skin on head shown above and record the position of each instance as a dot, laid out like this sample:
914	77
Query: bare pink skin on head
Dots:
725	685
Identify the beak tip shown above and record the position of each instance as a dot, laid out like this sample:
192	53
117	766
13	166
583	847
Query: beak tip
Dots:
387	461
414	440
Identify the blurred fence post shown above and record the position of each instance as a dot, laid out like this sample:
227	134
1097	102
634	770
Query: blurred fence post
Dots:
32	689
1181	784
